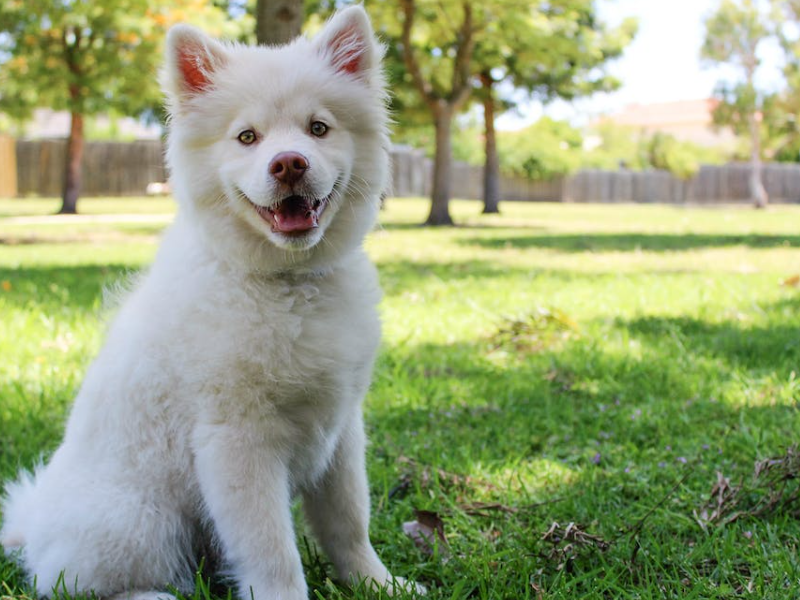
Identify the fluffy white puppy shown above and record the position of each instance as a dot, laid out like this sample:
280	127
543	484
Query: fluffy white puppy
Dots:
233	375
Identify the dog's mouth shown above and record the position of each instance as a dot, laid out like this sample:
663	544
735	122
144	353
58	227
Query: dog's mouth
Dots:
294	215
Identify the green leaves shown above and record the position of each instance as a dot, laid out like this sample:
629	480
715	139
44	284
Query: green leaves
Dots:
550	49
735	34
555	49
88	57
545	150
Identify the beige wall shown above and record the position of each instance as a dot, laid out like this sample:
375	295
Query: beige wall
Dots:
8	167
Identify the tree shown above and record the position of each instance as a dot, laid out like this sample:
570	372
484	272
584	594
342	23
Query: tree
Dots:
783	110
733	36
542	151
556	49
278	21
666	152
453	50
443	80
87	57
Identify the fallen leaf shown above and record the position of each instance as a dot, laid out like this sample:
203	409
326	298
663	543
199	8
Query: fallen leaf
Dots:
537	589
773	488
427	531
567	543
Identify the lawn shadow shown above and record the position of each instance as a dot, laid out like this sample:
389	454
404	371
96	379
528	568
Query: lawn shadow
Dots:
400	275
49	288
603	419
753	348
580	433
105	233
572	434
459	226
626	242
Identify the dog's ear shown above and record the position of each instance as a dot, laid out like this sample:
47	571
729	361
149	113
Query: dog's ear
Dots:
348	44
191	60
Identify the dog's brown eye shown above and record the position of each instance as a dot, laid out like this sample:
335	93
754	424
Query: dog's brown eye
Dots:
318	128
247	137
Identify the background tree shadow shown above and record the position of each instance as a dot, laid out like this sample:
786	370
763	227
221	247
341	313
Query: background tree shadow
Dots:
51	288
580	433
625	242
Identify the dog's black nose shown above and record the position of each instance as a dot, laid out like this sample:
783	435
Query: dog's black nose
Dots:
288	167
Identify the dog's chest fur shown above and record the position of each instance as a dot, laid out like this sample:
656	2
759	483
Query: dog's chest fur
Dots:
298	356
292	353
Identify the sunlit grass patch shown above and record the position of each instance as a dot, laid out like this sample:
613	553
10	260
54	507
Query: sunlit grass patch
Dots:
18	207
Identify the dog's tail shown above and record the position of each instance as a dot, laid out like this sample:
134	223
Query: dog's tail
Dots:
16	510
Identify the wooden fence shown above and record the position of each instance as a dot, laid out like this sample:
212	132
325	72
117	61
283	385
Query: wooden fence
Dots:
712	184
125	169
412	175
109	168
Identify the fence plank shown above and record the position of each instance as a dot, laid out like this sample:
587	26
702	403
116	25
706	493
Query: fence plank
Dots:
109	168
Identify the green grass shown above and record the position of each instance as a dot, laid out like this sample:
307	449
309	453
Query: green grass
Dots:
595	365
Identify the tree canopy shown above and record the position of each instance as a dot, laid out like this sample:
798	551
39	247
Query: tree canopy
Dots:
88	57
557	49
782	114
451	52
734	34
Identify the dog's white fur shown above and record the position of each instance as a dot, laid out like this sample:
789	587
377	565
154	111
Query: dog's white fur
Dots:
233	374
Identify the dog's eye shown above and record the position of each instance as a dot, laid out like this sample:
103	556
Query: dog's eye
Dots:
318	128
247	137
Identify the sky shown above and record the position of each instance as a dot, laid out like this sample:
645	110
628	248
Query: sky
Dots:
661	64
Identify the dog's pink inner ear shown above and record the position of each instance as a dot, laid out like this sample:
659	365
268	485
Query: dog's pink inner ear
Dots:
347	49
195	66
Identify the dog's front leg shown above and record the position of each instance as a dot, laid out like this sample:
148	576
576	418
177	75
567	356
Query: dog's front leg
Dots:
338	511
246	488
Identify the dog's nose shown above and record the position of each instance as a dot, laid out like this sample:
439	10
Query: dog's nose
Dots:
288	167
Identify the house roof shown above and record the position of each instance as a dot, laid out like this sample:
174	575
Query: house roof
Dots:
681	112
687	120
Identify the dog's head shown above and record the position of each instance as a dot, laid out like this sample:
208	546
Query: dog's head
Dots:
284	145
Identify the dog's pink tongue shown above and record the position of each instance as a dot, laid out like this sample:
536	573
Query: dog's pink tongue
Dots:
295	216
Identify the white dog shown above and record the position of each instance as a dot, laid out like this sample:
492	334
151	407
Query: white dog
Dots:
233	375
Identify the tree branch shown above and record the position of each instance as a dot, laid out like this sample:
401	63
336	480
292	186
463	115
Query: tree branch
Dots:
424	88
71	59
462	75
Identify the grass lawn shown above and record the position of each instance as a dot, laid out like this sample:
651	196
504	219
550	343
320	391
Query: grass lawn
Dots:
583	397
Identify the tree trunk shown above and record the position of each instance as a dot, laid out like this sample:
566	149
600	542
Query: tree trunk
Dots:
442	162
491	169
758	195
72	170
278	21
